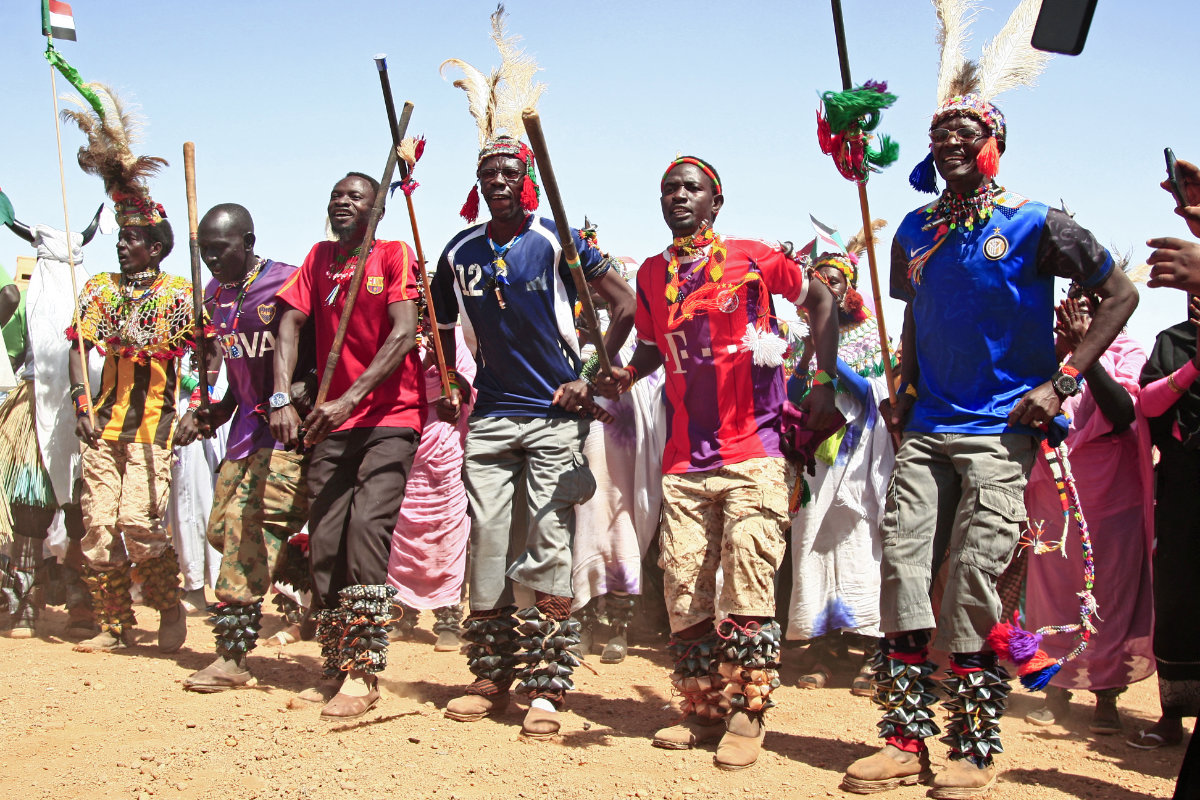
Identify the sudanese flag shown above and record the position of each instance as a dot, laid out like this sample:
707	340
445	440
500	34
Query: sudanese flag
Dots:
57	20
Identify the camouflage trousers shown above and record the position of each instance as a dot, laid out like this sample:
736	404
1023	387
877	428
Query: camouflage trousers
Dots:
125	491
733	517
259	501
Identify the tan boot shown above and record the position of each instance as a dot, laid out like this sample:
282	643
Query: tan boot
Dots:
352	704
105	641
219	676
888	768
540	724
474	707
172	629
962	780
691	732
742	742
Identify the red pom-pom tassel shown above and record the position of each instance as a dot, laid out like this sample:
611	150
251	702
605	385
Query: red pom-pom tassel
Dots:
470	209
988	159
529	197
999	637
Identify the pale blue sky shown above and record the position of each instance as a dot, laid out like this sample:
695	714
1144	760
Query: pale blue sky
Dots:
282	99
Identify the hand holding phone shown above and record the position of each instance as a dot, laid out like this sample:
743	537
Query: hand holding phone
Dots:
1173	181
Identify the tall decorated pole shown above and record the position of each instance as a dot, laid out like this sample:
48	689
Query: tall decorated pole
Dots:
408	160
57	20
846	132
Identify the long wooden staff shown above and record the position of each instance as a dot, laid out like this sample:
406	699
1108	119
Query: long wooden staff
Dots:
335	351
189	180
839	30
62	179
537	141
434	334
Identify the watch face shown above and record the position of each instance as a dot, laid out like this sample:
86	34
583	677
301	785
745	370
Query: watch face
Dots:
278	400
1066	385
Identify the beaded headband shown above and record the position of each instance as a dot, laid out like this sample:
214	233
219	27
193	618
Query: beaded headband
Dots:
704	166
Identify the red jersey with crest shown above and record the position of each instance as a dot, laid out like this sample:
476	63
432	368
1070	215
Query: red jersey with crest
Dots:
722	408
390	277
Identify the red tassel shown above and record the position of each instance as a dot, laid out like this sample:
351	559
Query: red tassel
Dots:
998	638
470	209
529	198
824	135
1039	662
988	159
853	303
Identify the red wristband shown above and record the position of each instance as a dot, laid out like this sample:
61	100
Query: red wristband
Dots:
1065	370
633	373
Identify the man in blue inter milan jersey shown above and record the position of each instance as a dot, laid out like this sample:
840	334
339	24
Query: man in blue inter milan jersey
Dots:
512	289
981	384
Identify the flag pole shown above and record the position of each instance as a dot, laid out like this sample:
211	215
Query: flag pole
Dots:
839	30
62	180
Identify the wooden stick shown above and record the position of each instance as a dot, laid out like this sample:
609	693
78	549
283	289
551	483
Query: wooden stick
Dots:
537	141
62	180
335	351
435	334
839	31
189	180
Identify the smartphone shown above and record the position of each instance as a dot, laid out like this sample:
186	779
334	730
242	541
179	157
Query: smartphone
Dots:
1173	178
1062	26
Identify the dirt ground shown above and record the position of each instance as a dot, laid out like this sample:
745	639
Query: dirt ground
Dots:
120	725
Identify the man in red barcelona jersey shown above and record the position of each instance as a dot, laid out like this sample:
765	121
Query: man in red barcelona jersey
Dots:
704	312
363	440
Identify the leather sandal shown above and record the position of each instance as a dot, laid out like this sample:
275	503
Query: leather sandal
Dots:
215	678
540	724
343	706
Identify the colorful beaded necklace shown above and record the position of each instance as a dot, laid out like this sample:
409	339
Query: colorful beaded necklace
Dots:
345	264
953	210
230	323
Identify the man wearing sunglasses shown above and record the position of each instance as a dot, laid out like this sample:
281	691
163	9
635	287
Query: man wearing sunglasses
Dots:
524	468
980	386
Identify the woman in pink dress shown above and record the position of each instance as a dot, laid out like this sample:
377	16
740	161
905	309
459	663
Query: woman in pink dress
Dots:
1108	445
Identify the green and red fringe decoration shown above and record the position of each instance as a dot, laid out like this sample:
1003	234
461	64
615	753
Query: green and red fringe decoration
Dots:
845	130
1012	642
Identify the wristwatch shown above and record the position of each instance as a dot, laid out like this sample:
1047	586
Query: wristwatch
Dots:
1066	381
279	400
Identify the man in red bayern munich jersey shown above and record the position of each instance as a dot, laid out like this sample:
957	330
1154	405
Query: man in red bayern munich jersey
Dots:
704	312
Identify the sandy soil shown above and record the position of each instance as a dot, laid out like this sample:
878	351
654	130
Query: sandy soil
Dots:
119	725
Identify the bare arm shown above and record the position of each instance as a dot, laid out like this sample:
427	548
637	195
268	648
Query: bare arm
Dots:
285	422
823	325
83	424
621	302
331	414
10	298
448	408
1118	299
198	424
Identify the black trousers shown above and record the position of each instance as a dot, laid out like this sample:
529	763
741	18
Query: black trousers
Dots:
357	479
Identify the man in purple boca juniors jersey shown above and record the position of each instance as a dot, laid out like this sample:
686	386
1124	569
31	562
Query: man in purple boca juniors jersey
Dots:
260	498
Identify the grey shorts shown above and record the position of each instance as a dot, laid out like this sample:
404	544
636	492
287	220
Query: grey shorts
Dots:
958	497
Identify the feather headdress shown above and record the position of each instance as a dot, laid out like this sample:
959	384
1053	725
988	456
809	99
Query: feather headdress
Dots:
109	154
496	102
970	88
